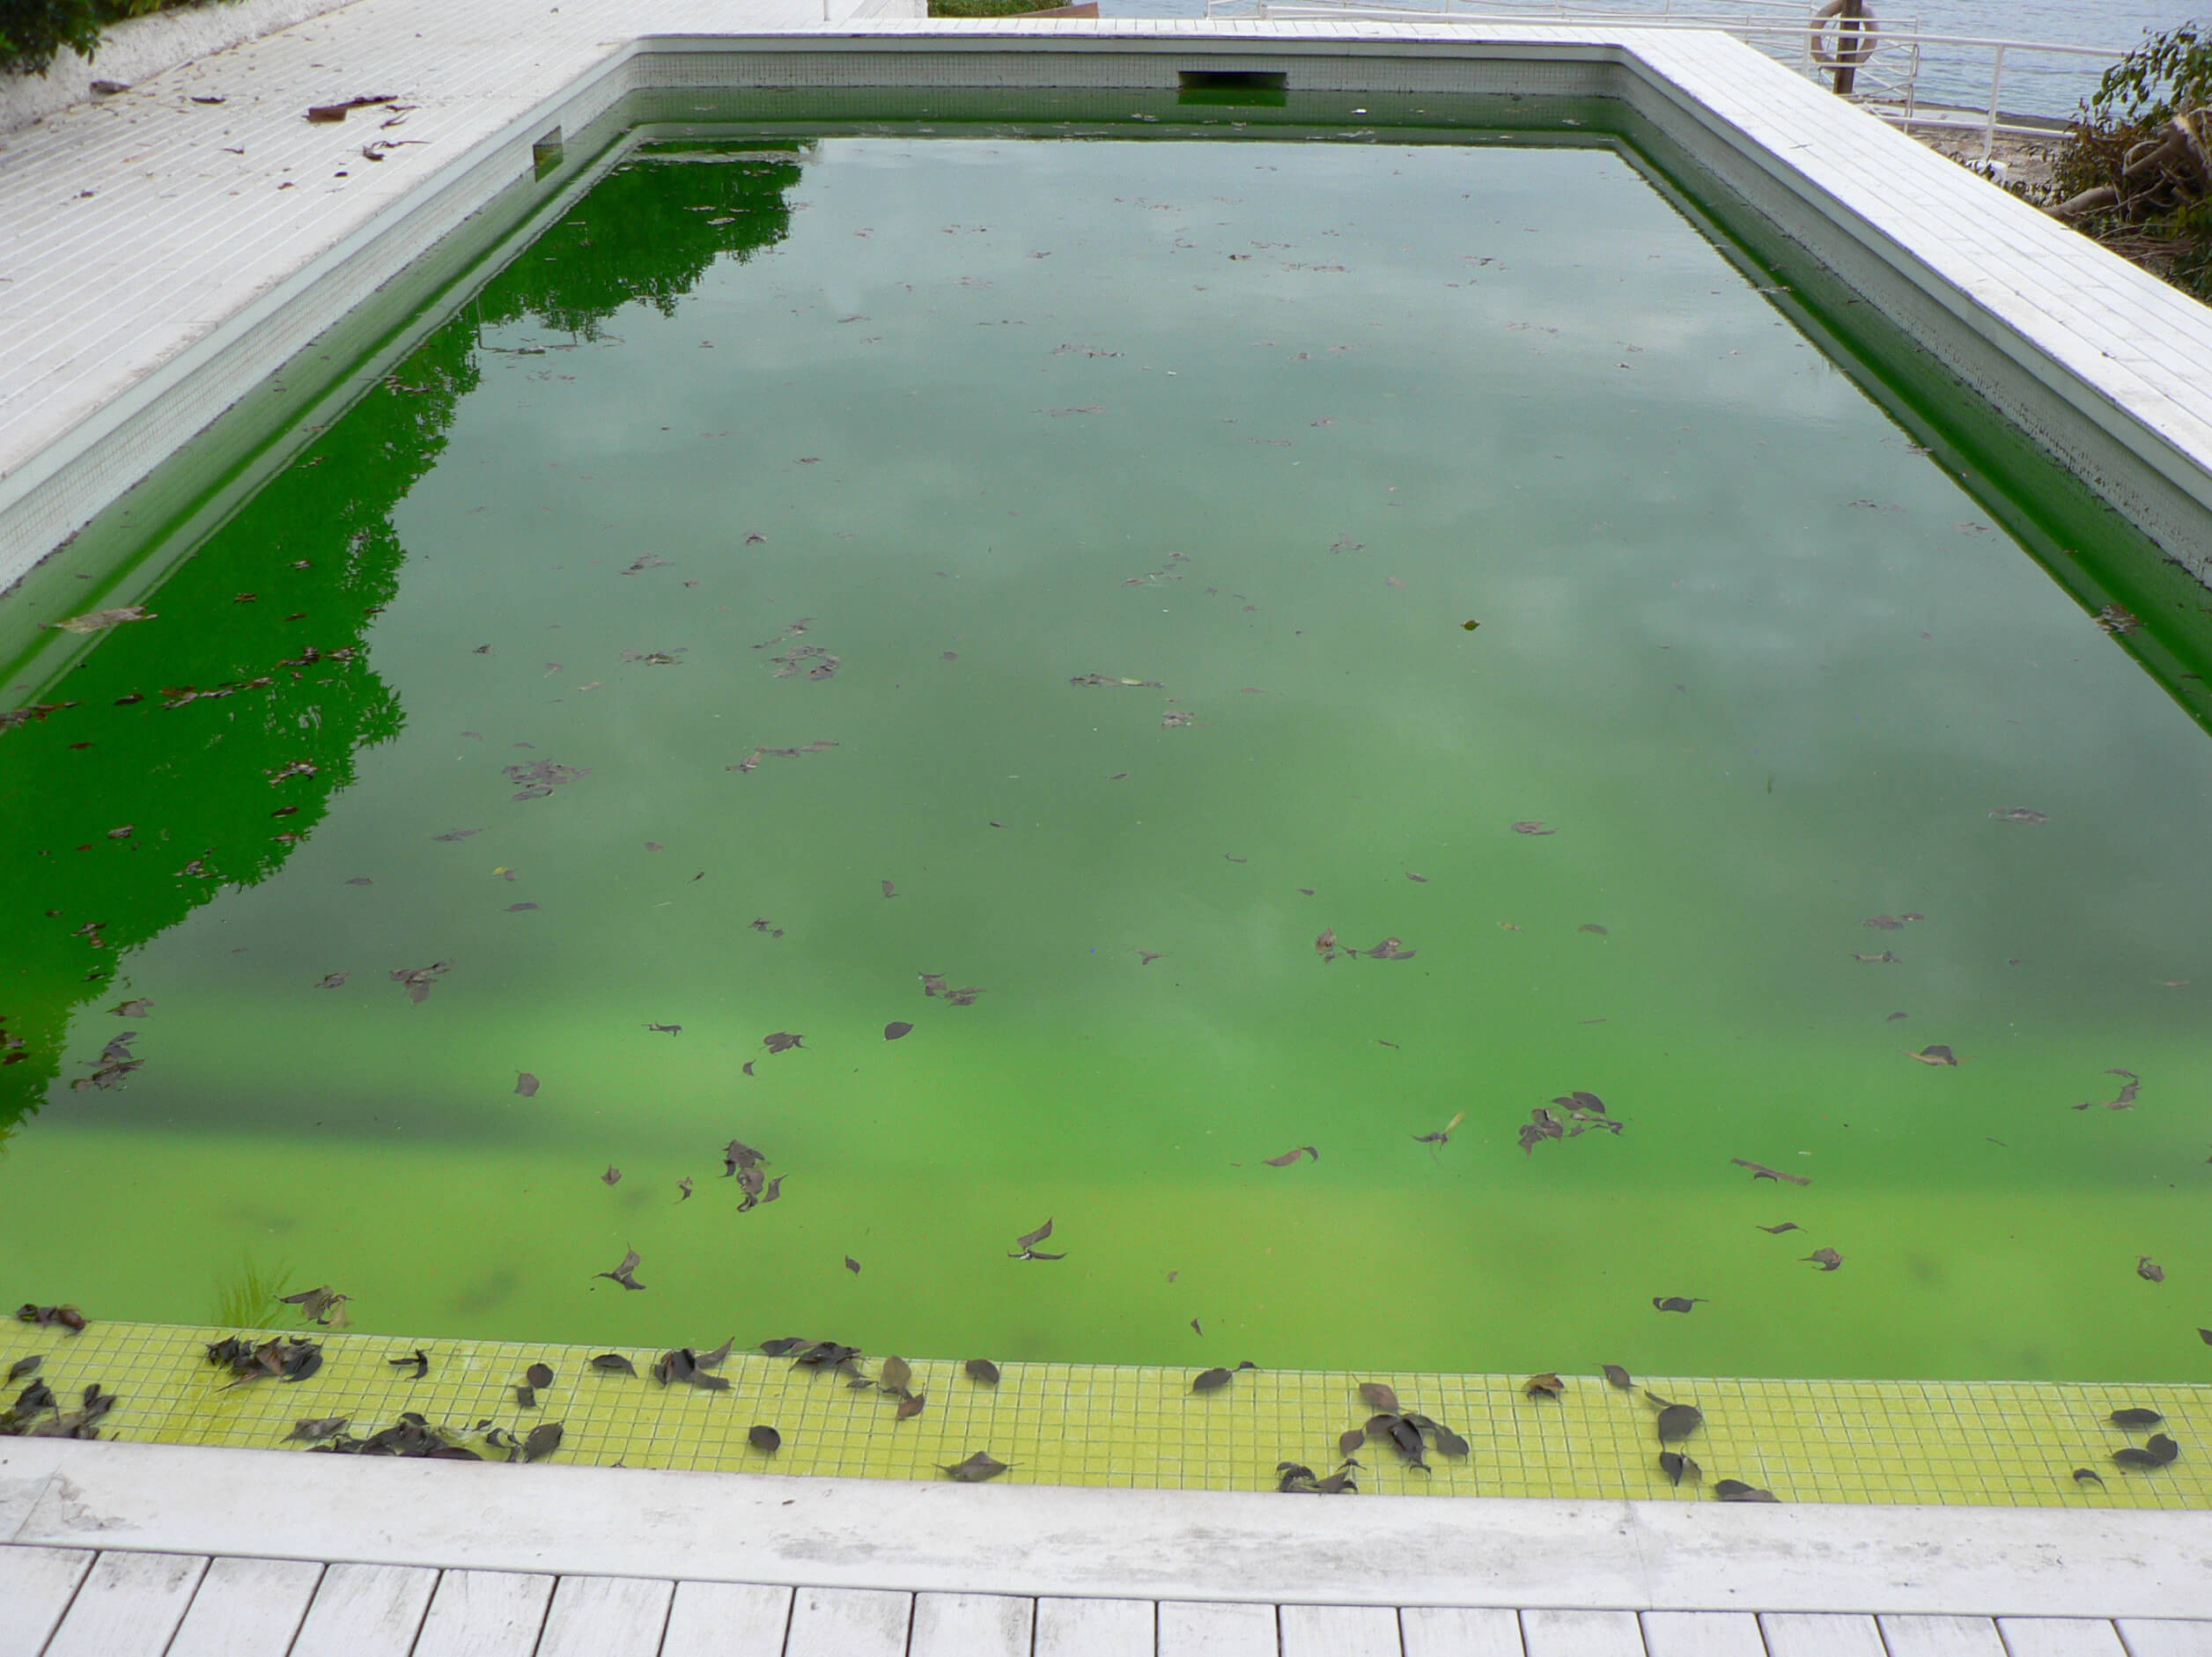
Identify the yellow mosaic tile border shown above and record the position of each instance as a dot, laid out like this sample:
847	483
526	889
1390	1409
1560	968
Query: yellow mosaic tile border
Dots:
2003	1444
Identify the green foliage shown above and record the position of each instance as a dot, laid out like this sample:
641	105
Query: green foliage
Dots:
33	31
2168	73
2158	213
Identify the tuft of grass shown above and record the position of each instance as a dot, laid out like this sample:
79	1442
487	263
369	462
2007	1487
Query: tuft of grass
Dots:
985	8
249	1299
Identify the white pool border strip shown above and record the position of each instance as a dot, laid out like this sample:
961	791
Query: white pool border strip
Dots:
1017	1539
129	323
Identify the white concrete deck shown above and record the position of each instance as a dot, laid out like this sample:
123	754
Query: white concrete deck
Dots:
115	1550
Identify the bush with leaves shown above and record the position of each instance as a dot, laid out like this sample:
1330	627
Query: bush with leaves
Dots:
2135	171
34	32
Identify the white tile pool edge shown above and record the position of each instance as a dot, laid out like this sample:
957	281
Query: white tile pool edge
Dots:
2108	369
1102	1543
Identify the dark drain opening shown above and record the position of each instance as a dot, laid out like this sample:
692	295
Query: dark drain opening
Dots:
1265	87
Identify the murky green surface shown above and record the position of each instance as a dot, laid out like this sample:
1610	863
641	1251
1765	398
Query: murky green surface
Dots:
1265	423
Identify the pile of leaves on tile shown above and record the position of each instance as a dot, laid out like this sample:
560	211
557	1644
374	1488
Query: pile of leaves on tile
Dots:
413	1435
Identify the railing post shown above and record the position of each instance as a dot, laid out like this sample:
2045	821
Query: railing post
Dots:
1846	43
1997	80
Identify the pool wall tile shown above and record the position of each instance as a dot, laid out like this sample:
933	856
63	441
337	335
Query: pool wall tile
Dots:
1977	1443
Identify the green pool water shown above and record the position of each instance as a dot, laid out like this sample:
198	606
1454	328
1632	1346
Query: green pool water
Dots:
1263	426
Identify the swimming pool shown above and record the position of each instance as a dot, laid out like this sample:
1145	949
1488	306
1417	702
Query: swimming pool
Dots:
827	566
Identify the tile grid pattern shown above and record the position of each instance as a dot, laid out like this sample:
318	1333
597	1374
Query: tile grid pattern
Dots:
63	1601
1992	1444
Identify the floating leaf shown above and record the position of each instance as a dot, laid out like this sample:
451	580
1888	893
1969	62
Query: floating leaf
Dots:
1678	1467
1592	926
781	1040
1619	1377
1760	1170
1350	1441
526	1084
97	621
2019	813
1532	828
853	1266
1735	1489
1289	1157
893	1374
1935	1056
543	1440
1826	1259
1211	1380
330	981
896	1029
23	1366
131	1009
2087	1475
2149	1269
1547	1385
614	1363
313	1430
540	1374
1776	1231
1678	1421
981	1371
419	1361
1379	1393
1030	1240
613	1177
2118	1417
976	1468
621	1273
911	1405
1675	1303
1442	1135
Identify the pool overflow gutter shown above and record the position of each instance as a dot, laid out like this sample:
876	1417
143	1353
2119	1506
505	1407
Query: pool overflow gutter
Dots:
1889	250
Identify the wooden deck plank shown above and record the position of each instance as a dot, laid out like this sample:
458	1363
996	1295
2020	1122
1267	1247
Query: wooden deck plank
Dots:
849	1623
1097	1628
2059	1637
1703	1634
972	1625
2164	1637
1941	1637
1818	1634
1338	1631
130	1605
1582	1634
485	1613
605	1616
728	1619
366	1610
1192	1628
36	1585
247	1605
1456	1630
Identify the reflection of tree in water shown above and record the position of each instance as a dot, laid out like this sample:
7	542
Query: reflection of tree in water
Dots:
648	230
185	725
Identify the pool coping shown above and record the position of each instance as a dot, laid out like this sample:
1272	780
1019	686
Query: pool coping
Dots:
1125	1544
2106	367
